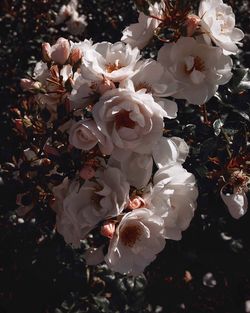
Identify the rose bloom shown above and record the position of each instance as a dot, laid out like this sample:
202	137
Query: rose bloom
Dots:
152	77
173	197
83	207
139	34
236	202
77	23
218	24
66	11
131	121
130	163
85	135
114	61
137	240
199	69
169	151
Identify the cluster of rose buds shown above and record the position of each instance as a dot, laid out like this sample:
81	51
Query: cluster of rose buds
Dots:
110	105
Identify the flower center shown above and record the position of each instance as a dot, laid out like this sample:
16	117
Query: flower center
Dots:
197	64
130	234
122	119
110	67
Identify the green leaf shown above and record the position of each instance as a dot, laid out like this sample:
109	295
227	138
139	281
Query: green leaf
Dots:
102	303
240	80
217	125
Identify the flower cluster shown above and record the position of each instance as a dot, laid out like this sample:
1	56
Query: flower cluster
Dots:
110	104
69	15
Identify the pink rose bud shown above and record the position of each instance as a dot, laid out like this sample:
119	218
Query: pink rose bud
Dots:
87	172
46	51
105	85
108	229
136	203
30	85
192	23
60	51
75	55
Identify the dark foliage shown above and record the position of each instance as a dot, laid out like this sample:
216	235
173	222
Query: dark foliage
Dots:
207	271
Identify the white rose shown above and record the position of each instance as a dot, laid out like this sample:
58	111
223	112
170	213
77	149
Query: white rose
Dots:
77	23
137	240
168	151
173	197
236	202
139	34
137	167
218	24
85	135
198	68
85	206
60	192
81	93
114	61
66	11
151	76
129	120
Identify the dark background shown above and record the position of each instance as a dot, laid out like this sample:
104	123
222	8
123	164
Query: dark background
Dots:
39	274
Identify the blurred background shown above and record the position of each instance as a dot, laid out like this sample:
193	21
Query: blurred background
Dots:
208	271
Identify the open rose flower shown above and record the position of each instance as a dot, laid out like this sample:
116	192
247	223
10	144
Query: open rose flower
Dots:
152	77
173	197
77	23
169	151
85	206
199	69
130	121
66	11
130	163
85	135
137	240
236	202
114	61
218	25
139	34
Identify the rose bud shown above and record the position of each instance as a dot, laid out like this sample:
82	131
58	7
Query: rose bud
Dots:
105	85
87	172
75	55
192	24
46	52
108	229
60	51
136	203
